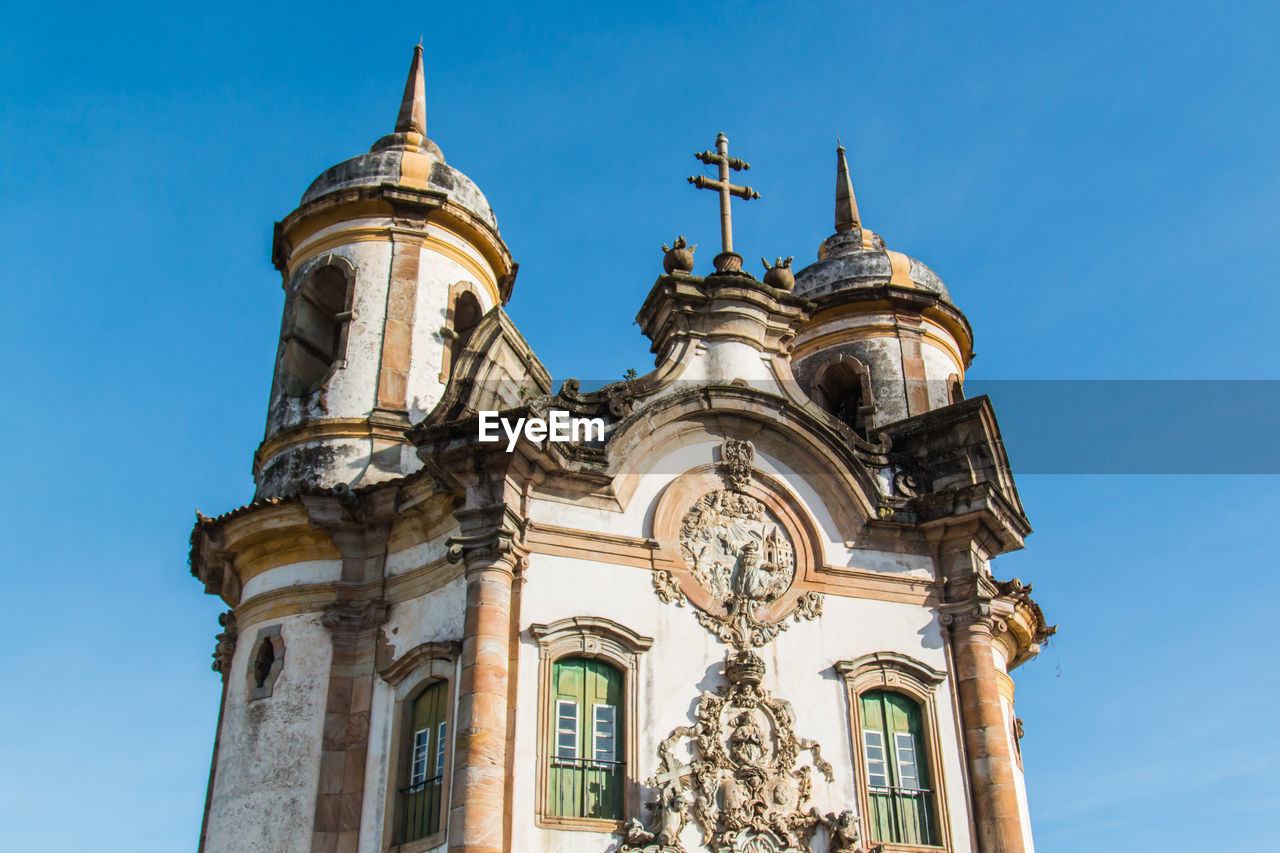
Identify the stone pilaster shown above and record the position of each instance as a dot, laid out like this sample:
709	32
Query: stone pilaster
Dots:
970	623
477	814
360	528
994	790
345	746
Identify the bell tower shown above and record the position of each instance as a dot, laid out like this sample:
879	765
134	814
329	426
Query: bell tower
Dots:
389	261
884	342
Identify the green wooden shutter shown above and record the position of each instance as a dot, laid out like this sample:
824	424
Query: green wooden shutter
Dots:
587	770
424	795
897	769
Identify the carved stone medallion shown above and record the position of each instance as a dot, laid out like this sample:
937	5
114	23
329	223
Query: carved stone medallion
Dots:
736	551
743	782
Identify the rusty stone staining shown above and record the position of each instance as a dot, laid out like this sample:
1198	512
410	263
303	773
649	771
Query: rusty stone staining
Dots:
476	817
995	796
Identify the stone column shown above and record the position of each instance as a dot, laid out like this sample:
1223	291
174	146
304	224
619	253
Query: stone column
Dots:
969	620
477	799
995	794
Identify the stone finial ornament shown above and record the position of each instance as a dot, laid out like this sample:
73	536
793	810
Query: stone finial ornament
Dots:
679	257
736	457
779	275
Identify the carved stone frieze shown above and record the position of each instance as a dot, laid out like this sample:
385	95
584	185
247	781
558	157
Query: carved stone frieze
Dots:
737	772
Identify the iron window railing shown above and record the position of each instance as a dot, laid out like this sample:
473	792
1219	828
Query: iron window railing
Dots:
587	787
908	812
421	806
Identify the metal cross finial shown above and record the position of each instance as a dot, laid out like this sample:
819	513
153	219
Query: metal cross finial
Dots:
726	261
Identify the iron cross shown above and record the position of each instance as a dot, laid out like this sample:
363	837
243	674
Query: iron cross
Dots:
721	158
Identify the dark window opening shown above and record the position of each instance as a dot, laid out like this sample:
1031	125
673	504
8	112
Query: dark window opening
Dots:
262	664
466	316
841	388
315	342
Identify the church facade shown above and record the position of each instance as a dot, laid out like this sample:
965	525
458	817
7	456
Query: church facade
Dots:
748	607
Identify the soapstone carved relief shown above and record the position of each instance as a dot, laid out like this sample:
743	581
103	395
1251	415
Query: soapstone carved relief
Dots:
737	552
667	588
742	782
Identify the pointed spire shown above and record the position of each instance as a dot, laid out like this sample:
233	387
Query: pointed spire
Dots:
846	205
413	107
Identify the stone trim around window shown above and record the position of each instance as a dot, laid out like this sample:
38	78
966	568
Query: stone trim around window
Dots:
410	674
903	674
270	644
589	637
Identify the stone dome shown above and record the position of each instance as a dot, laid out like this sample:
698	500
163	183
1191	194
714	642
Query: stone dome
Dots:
406	157
387	166
849	265
855	257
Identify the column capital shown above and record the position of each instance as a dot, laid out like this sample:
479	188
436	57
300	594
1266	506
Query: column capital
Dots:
351	618
490	537
970	615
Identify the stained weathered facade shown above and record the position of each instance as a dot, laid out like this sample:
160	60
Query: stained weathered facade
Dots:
758	616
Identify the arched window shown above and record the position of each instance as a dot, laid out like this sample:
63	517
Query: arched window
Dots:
423	797
894	723
843	388
315	338
897	768
466	314
419	772
463	315
588	695
587	767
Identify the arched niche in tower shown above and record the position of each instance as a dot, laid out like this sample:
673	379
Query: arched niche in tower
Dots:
316	326
843	388
463	315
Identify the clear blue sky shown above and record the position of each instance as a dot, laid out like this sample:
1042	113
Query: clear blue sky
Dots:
1097	183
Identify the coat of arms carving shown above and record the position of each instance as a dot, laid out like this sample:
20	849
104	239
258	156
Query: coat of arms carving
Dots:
743	781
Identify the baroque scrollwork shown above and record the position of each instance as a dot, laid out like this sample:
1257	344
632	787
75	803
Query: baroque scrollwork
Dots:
736	457
743	782
668	590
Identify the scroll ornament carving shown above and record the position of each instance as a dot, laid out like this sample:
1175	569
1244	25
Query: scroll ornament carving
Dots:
744	559
667	588
744	783
736	457
225	643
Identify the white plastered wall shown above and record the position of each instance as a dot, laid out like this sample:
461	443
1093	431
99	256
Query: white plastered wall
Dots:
264	791
686	659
